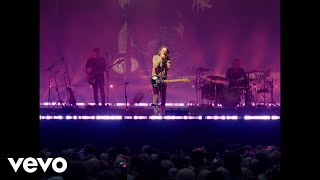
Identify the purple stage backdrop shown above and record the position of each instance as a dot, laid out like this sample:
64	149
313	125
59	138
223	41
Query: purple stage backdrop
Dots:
198	33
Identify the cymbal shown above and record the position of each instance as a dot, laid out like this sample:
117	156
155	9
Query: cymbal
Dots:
201	69
215	78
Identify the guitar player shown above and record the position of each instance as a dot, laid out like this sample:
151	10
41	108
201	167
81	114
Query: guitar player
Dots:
95	68
160	65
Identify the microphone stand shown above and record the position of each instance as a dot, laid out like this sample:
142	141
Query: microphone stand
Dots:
49	89
49	69
106	56
161	89
107	86
59	99
108	68
72	100
126	98
197	84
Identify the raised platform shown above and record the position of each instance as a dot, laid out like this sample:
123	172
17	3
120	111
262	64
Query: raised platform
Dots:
116	113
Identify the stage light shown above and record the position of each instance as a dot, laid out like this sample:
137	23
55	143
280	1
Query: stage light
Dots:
108	117
58	117
173	117
87	117
155	117
140	117
257	117
141	104
221	117
69	117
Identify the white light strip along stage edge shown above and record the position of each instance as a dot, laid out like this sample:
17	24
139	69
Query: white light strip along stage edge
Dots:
232	118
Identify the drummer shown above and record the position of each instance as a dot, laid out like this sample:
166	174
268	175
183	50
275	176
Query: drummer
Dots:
238	78
236	75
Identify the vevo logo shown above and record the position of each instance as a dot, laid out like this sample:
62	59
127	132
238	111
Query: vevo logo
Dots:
30	164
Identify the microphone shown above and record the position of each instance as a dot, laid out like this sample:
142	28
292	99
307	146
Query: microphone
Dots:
126	83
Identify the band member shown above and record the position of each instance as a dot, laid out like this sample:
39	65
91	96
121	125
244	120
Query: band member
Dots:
238	78
160	65
95	68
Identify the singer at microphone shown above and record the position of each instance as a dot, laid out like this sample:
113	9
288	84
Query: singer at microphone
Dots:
160	66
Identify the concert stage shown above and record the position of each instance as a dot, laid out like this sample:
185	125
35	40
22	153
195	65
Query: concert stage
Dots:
195	112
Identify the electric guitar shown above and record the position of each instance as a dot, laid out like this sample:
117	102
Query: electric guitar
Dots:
155	81
91	76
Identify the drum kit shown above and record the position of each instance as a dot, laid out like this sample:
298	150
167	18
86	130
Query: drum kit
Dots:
216	90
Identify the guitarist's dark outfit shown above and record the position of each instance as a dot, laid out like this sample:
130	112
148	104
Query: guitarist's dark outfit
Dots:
161	71
98	66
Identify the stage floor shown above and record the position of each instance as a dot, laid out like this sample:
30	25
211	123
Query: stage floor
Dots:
119	113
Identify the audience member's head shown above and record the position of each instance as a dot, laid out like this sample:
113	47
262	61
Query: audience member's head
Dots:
147	149
89	149
186	174
93	167
203	174
172	172
70	154
225	172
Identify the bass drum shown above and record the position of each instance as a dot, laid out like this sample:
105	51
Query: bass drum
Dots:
209	90
230	97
